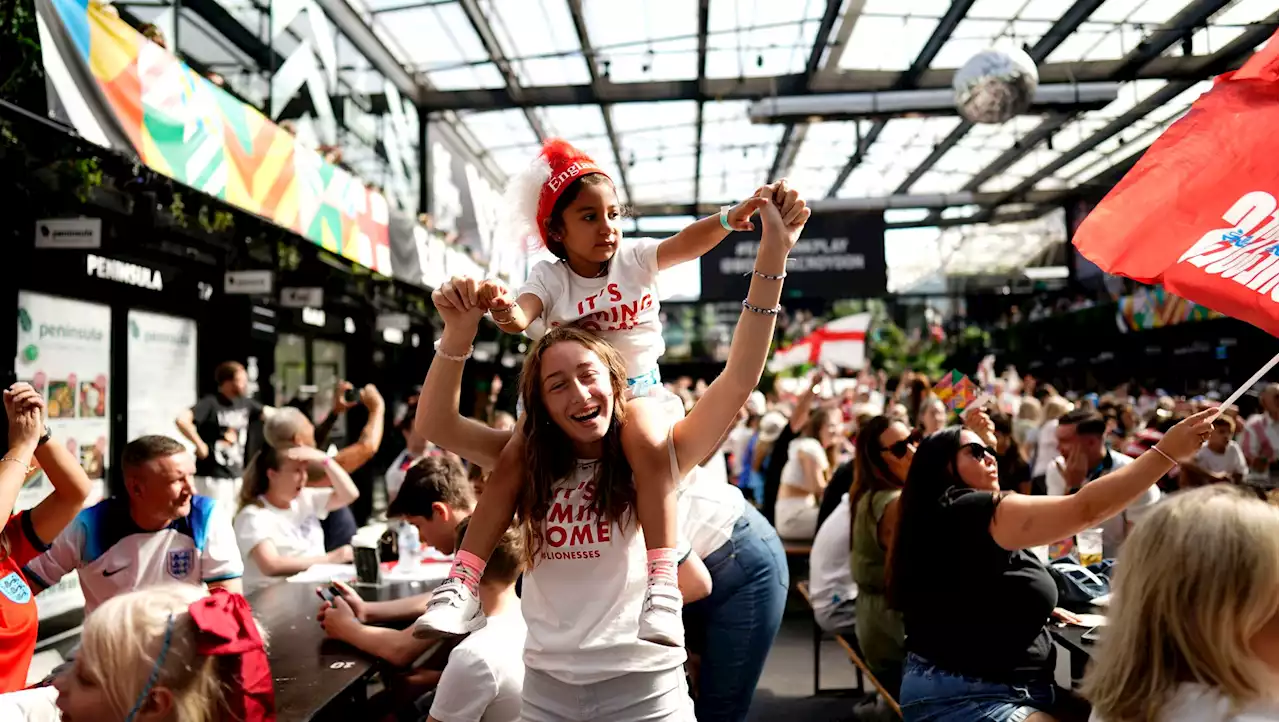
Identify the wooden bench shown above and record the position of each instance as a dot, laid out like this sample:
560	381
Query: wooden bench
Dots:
851	650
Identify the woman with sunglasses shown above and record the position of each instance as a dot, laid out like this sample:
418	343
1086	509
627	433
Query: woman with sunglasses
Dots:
882	456
975	602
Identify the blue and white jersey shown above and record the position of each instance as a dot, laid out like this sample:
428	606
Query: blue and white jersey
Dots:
113	555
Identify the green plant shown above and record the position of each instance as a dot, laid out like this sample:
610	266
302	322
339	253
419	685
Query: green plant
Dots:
894	351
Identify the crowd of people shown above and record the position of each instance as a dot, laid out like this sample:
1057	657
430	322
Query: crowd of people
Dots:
618	545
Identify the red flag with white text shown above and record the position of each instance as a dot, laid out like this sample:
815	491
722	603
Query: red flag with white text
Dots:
841	342
1198	212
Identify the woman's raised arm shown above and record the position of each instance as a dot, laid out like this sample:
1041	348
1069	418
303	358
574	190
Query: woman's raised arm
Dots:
438	420
1022	522
697	434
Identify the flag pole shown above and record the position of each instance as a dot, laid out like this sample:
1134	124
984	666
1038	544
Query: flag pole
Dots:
1246	386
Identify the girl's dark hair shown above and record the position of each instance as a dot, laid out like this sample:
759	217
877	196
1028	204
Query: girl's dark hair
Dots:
920	389
255	475
932	475
555	221
870	471
549	454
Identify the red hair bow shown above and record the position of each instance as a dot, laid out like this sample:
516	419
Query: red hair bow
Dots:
567	164
226	628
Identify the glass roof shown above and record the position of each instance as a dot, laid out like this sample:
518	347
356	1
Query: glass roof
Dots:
678	135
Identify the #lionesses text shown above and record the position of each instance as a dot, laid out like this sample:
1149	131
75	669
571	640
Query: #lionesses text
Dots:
572	522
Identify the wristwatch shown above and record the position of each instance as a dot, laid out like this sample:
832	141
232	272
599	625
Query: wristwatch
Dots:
44	437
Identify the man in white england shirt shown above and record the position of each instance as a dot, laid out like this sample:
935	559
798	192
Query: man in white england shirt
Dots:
154	530
1085	457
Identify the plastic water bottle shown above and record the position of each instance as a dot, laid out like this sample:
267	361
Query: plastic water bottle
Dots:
409	544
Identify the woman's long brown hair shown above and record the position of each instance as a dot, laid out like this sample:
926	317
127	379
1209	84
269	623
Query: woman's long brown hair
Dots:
870	472
255	475
550	457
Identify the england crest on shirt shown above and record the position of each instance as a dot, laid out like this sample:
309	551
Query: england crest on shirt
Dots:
180	563
15	588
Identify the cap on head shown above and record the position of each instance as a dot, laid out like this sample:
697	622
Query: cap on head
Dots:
566	164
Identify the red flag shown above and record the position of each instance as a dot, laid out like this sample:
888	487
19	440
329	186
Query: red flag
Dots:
1198	211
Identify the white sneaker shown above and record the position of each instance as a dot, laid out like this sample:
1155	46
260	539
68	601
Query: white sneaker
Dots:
452	610
660	619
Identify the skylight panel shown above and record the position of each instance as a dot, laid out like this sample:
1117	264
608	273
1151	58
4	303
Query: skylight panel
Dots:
886	43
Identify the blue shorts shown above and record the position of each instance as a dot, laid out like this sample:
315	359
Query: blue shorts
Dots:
932	694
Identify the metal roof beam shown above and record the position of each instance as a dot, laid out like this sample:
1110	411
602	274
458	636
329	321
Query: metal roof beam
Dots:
490	41
369	45
786	152
937	200
704	10
606	110
848	81
910	78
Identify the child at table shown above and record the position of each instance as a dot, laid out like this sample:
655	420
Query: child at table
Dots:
169	653
608	286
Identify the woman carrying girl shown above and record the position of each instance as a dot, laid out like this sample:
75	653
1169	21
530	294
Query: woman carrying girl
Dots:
24	534
587	579
278	525
608	286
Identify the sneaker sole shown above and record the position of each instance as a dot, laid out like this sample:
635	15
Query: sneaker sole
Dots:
423	629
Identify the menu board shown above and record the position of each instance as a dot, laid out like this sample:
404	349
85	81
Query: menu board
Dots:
162	373
64	351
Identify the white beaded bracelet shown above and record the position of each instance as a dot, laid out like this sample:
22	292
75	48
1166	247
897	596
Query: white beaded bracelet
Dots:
450	357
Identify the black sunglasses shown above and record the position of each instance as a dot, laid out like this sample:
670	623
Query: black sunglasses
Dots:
977	451
899	449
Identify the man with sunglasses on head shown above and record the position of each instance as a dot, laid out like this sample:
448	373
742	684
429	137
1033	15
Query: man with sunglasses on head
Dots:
1084	457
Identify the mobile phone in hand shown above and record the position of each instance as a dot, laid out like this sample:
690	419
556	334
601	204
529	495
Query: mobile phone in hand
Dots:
351	396
328	594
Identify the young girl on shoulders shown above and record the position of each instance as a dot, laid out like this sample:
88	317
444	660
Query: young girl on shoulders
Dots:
603	284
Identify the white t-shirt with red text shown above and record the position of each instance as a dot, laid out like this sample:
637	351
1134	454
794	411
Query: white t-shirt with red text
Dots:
582	597
620	307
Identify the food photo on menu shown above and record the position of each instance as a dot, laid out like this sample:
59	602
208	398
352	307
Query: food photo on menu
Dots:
62	398
92	457
93	398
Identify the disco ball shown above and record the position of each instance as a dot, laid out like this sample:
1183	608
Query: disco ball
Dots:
995	85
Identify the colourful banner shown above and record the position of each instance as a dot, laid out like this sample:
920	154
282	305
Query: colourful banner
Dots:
1154	307
131	95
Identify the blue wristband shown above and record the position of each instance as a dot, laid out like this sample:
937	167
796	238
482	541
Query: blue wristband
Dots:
724	218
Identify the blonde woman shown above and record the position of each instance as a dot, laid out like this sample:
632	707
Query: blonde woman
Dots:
169	654
1193	630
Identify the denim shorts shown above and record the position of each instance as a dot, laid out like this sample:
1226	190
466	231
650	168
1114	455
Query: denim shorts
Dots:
932	694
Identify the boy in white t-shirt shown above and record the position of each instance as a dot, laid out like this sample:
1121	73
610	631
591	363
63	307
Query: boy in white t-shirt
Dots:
484	677
1220	455
608	286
